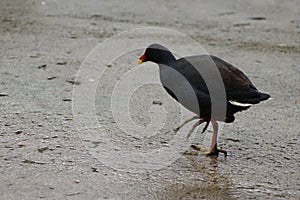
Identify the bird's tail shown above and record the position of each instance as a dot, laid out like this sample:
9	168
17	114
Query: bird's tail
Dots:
255	100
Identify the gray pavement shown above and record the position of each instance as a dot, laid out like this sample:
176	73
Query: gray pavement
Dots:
45	156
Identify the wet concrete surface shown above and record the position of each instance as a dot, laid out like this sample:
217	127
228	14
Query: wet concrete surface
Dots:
43	156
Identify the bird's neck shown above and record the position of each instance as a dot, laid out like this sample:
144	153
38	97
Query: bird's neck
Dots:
166	60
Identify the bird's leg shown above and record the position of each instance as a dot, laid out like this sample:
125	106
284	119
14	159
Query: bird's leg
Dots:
205	127
185	122
196	147
214	151
194	126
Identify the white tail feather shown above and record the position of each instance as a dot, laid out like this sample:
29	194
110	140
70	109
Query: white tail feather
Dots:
240	104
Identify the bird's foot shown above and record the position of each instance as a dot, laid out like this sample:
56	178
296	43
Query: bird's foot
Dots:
215	151
201	151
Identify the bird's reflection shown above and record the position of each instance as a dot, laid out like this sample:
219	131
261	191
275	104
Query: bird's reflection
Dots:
213	165
206	181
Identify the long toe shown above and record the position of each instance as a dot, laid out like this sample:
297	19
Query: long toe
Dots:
192	153
202	151
215	152
223	151
196	147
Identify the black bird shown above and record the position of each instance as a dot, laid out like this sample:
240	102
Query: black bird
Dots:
200	77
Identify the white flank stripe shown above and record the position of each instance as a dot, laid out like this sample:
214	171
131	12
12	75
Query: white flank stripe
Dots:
240	104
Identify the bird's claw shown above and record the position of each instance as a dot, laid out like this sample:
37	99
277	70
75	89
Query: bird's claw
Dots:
212	152
205	127
216	152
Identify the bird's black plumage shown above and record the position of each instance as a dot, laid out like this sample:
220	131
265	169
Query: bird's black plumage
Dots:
240	91
204	84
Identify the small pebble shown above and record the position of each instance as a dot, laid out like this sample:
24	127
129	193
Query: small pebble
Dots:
73	36
51	77
94	169
3	94
73	81
33	162
18	132
241	24
42	149
42	66
258	18
21	145
157	102
61	63
28	161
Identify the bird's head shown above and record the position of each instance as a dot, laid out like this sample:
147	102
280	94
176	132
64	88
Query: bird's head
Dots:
158	54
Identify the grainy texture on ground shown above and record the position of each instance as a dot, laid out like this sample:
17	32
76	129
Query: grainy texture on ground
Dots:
43	44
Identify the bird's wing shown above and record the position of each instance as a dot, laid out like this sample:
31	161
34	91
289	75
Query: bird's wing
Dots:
233	78
237	84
